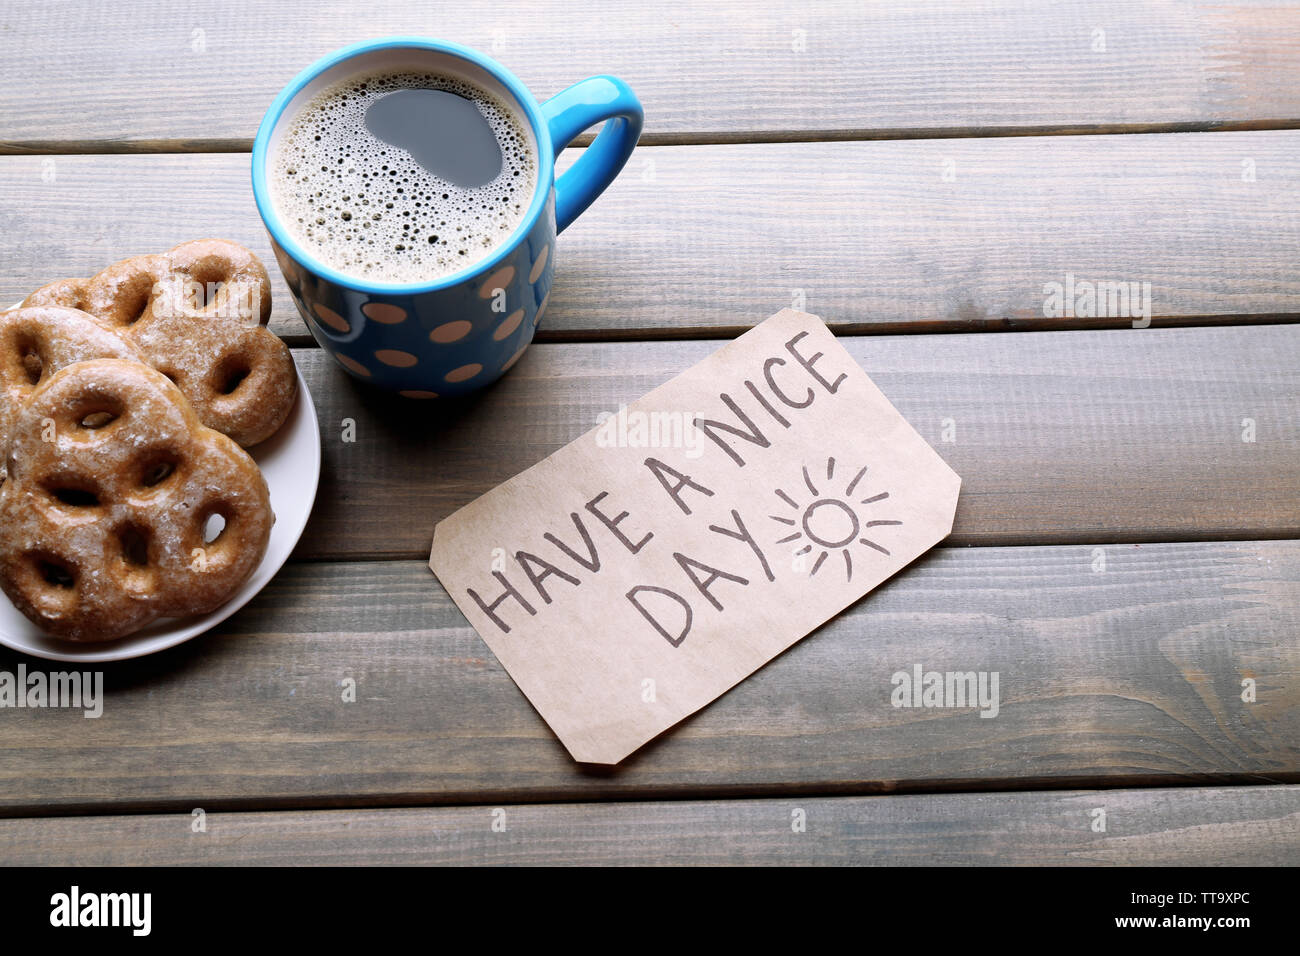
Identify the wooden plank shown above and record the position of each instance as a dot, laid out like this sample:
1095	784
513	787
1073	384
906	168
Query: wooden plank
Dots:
195	74
873	236
1154	827
1124	677
1059	436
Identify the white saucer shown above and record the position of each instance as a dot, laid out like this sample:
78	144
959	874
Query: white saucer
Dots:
290	462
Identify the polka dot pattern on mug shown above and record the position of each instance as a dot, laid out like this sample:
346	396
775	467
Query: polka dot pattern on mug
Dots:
438	342
384	313
464	373
329	317
450	332
500	279
540	264
397	358
352	365
511	323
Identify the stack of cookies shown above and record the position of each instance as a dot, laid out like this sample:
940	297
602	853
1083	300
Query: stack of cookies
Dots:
126	494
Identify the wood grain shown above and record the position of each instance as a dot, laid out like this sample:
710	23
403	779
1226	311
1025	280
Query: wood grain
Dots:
1126	677
196	74
1211	826
1059	436
707	240
767	175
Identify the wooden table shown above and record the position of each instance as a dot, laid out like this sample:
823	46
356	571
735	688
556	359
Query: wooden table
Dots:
1127	547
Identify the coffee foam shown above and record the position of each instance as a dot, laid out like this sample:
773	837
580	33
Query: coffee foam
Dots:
369	209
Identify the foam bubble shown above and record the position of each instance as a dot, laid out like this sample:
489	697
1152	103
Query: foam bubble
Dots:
368	208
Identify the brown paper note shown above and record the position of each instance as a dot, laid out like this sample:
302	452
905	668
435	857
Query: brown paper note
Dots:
644	569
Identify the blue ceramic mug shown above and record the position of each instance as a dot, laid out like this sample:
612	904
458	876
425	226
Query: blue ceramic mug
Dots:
457	333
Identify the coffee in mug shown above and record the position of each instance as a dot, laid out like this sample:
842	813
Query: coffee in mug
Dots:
403	176
408	186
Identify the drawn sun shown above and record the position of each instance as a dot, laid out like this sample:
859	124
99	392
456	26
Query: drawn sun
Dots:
831	523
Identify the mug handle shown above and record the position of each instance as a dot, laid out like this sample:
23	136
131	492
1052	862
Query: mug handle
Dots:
580	107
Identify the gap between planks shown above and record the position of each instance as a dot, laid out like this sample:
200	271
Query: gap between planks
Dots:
668	795
106	147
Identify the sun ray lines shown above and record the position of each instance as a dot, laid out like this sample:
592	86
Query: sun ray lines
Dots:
830	523
808	481
848	492
871	544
